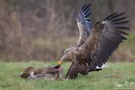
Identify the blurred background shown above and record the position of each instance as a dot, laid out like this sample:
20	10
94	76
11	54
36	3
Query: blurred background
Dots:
42	29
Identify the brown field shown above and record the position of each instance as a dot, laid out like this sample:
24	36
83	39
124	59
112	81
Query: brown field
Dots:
43	29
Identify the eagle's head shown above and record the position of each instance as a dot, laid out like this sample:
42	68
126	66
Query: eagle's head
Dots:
68	56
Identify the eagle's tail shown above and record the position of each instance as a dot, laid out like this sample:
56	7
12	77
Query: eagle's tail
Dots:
97	68
103	66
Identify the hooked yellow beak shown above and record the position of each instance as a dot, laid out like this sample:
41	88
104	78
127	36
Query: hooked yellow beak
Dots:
60	62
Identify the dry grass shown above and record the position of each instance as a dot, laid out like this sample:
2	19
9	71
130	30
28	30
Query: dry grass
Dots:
43	29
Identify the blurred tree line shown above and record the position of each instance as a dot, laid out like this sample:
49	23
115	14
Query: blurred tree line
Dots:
42	29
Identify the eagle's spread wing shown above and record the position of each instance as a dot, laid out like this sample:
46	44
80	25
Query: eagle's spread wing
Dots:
84	24
113	33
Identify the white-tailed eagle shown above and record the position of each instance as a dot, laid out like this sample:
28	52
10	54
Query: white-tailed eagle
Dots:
96	42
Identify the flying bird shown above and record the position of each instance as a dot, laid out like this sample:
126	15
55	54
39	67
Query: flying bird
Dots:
96	42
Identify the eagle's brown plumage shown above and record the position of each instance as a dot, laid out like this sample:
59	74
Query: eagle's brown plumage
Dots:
96	43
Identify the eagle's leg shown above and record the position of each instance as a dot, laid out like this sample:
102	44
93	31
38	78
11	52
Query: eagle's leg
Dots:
72	72
83	69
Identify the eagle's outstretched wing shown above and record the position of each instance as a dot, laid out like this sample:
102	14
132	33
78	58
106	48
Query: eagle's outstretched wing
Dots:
84	24
113	31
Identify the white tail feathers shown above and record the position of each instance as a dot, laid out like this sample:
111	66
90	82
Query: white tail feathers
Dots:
103	66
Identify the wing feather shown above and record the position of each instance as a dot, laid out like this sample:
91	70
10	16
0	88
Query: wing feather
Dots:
109	41
84	24
113	33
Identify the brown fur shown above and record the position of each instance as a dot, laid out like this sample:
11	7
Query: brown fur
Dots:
42	72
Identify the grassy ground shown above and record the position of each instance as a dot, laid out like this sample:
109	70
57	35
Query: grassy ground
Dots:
116	76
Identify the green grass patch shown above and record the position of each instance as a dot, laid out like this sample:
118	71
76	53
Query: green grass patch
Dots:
122	74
